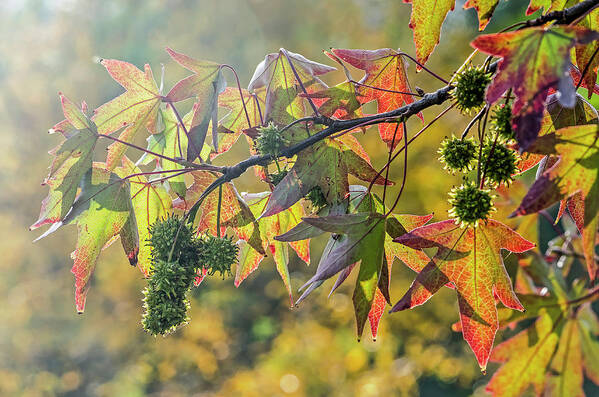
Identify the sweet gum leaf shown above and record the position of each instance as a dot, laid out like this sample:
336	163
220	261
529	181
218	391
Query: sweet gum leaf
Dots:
72	159
327	165
274	80
384	69
426	20
470	259
575	173
529	76
268	229
205	85
551	355
100	212
484	8
136	108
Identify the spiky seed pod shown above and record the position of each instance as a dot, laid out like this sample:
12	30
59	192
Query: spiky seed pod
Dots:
175	255
218	255
276	178
163	315
317	198
172	234
457	154
498	163
470	204
469	90
270	141
164	298
501	121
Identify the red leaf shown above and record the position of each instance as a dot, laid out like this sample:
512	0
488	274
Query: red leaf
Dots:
385	72
534	60
470	259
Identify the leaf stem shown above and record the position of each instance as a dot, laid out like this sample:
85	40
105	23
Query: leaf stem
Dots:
232	69
218	209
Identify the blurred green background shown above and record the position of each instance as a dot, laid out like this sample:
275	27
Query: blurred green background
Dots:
244	341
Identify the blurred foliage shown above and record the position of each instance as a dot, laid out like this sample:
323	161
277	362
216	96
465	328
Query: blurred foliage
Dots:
242	341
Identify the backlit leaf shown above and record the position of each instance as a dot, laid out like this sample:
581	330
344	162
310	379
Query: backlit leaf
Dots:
534	60
577	171
136	108
205	85
72	159
150	202
470	258
426	20
385	71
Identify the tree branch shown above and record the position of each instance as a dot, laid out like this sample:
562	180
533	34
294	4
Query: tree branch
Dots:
566	16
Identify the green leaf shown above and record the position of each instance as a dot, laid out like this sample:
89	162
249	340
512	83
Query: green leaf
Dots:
269	228
550	355
275	80
100	212
205	85
484	8
327	165
426	20
574	176
136	108
363	243
172	142
72	159
150	202
235	122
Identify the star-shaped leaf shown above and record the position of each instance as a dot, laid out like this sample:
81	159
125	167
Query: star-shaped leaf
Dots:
275	77
72	159
550	355
385	81
534	60
136	108
547	5
101	211
362	241
205	85
577	171
585	54
470	258
326	165
351	245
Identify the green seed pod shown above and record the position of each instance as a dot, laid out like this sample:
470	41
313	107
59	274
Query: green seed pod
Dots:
218	255
317	198
164	298
470	204
270	141
469	90
498	163
501	121
175	256
172	234
457	154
